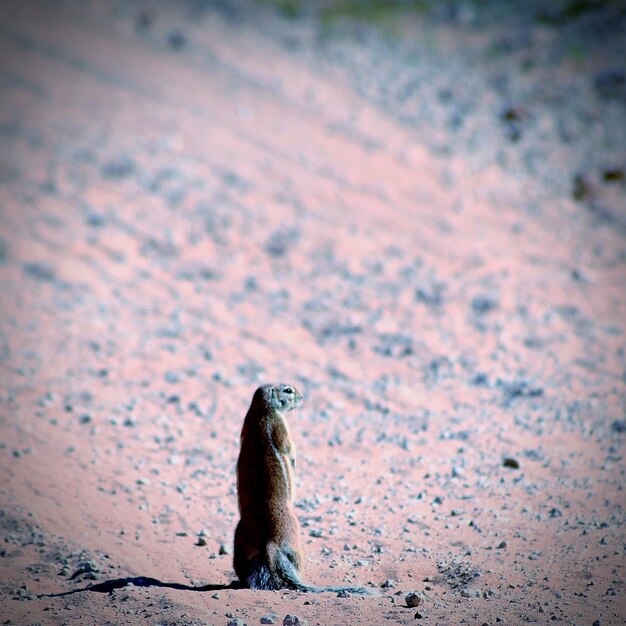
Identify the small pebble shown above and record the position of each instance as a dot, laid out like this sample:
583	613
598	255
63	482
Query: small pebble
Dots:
483	304
177	40
412	599
118	168
619	426
613	175
457	472
510	462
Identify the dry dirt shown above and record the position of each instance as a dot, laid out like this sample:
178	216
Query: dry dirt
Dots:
199	198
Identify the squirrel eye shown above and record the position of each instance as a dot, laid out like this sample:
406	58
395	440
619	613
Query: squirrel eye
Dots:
288	390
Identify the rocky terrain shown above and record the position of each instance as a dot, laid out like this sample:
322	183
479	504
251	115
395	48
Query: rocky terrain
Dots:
417	215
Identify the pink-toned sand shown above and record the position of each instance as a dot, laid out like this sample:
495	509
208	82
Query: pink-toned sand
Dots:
179	226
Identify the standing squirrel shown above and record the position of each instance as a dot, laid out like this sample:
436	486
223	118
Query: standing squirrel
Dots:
268	554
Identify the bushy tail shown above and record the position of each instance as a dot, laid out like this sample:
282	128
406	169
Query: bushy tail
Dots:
290	578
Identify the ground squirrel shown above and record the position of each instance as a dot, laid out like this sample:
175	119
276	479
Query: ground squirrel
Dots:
268	554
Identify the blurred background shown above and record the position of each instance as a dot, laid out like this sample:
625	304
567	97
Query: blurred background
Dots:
413	211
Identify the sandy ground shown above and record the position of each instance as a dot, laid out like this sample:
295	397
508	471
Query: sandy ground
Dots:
423	229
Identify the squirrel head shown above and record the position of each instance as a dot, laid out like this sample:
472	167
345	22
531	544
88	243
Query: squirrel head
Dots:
281	398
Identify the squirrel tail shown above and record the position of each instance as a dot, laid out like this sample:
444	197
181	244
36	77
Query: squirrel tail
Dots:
278	571
289	576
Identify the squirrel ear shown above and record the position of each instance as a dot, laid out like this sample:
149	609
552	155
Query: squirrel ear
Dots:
273	395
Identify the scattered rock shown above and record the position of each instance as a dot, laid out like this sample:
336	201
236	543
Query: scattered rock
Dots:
23	593
235	180
480	380
582	189
394	345
457	472
515	389
294	620
281	241
619	426
39	271
176	40
431	295
483	304
96	220
534	454
613	175
509	461
514	119
118	168
85	567
412	599
458	574
171	377
270	618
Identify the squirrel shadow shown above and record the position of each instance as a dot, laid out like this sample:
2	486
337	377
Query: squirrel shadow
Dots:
108	586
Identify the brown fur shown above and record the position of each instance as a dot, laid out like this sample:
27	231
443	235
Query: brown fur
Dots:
268	554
